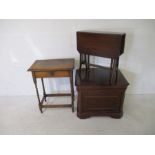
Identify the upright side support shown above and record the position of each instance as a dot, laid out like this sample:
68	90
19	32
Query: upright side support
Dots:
80	64
114	69
72	89
35	83
44	92
84	60
117	63
87	63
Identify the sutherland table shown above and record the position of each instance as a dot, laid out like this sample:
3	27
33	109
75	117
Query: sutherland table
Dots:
53	68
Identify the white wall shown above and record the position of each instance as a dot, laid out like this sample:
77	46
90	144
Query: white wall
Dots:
23	41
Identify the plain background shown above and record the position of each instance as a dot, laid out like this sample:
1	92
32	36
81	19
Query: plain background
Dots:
24	41
70	144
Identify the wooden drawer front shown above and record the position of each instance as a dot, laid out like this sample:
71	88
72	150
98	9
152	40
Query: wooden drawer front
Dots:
52	74
102	100
104	92
101	103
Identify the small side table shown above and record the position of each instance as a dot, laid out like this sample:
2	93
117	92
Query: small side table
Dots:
53	68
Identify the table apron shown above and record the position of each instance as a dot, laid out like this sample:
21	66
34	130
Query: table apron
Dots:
41	74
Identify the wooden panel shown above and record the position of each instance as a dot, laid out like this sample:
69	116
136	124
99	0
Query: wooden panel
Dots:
103	102
103	92
52	65
99	102
52	74
109	45
99	77
106	99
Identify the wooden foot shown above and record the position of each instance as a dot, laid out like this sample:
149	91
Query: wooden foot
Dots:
117	116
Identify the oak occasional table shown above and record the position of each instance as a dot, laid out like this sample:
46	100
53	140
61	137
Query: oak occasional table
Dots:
56	68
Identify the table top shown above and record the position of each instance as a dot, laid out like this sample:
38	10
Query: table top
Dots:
52	64
103	44
100	77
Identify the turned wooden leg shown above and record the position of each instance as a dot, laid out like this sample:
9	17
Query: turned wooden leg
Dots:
87	63
39	102
44	92
80	65
114	70
111	70
117	63
72	90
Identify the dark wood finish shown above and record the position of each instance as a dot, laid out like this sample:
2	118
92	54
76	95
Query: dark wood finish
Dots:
52	65
103	44
61	94
43	86
53	68
40	74
57	106
97	95
72	89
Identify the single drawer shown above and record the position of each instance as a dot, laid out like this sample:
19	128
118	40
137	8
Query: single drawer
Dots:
52	74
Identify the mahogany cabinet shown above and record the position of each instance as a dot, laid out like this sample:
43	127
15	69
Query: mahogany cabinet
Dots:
98	95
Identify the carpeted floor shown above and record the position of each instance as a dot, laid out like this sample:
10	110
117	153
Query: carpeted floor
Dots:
20	115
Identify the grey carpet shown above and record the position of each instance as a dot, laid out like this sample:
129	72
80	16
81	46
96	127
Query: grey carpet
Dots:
20	115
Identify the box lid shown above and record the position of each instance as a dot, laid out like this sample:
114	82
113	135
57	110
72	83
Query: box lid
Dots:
99	77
